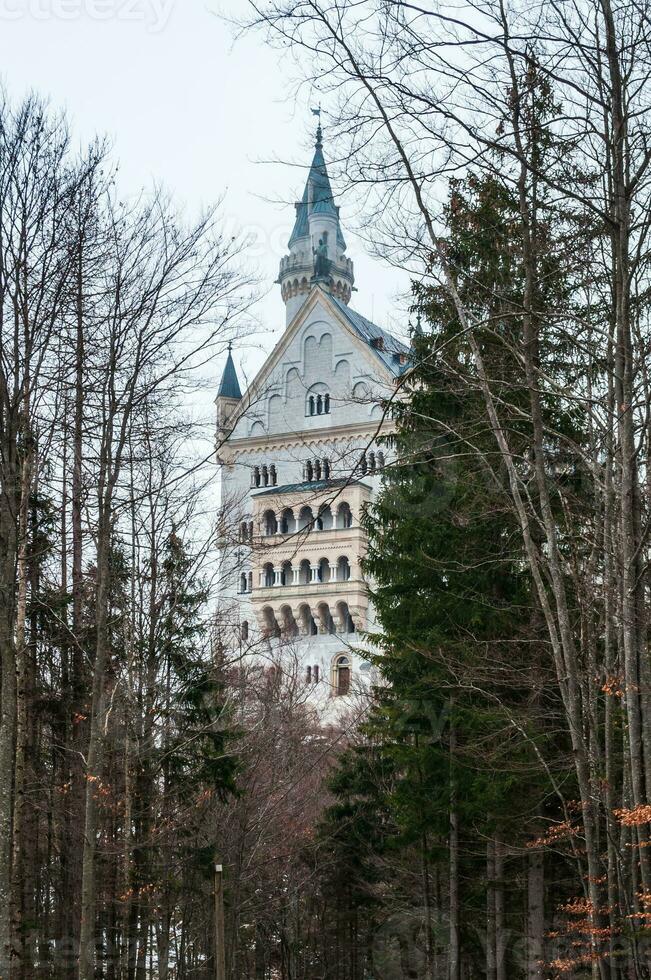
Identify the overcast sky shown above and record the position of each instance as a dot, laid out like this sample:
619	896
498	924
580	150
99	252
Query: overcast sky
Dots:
188	109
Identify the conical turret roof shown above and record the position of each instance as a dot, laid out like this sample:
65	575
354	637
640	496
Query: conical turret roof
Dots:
229	386
317	197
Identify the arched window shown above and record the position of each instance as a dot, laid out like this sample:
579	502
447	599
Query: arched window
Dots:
310	405
380	461
270	523
341	675
309	471
270	622
265	476
304	572
343	569
243	582
362	464
345	619
309	627
286	573
317	469
371	462
305	518
287	522
326	404
344	516
256	476
315	673
273	479
324	570
325	617
326	469
244	630
324	520
249	582
268	575
308	675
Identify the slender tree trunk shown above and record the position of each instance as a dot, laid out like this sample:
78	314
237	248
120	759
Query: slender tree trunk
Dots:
535	914
454	954
95	758
491	931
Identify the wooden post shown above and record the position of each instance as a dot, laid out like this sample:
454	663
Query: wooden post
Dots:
220	950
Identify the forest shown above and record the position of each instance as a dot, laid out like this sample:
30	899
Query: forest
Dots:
488	815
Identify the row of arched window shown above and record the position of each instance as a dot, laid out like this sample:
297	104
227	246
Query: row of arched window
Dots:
371	463
246	582
324	520
318	469
318	404
305	623
304	573
264	476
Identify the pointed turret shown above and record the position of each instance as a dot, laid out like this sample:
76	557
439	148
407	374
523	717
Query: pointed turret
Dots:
316	245
229	394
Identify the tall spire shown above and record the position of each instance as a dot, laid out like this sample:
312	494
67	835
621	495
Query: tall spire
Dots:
317	197
229	386
316	245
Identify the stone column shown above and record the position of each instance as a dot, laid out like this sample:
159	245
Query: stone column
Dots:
314	573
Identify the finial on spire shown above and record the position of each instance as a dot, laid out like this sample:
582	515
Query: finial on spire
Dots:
319	131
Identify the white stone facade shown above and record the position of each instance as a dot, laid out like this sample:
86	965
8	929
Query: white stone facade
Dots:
301	453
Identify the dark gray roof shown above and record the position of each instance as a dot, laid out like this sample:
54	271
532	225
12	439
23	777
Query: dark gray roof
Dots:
308	485
392	351
229	386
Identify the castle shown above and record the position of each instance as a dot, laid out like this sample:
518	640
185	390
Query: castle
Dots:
301	454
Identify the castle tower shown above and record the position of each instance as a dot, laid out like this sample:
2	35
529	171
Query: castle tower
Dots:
316	245
228	397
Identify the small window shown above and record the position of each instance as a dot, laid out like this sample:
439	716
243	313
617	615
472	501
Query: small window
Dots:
371	462
265	476
326	469
317	470
341	678
244	629
326	404
309	471
380	461
256	476
315	673
363	465
272	476
310	405
249	582
242	583
308	675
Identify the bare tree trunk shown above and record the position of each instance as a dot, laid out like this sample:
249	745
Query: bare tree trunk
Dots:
454	954
535	914
491	931
87	940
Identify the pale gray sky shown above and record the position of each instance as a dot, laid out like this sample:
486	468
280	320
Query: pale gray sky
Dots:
186	109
